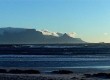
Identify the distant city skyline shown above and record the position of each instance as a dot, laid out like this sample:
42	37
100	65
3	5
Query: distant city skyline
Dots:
89	19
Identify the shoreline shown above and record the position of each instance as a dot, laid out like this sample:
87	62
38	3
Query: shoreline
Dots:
46	70
74	76
39	76
19	74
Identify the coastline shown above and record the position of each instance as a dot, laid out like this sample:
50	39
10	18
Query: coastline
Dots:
60	75
39	76
74	76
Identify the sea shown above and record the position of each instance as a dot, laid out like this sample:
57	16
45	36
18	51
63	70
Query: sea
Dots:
47	63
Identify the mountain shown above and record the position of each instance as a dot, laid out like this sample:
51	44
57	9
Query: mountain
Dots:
11	35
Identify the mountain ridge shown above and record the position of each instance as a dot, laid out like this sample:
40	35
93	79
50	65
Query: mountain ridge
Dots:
11	35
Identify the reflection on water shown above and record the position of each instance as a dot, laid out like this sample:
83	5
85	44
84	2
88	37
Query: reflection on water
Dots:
56	61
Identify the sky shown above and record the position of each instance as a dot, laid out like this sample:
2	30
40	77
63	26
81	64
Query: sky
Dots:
90	19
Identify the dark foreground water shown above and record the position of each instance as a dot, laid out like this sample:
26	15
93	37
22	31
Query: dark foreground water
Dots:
55	62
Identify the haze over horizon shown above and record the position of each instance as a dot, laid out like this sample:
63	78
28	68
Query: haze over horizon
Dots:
89	19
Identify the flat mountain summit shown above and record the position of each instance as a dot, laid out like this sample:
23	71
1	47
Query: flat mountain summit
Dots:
11	35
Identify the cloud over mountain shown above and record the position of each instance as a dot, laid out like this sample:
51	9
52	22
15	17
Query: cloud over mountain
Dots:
46	32
11	35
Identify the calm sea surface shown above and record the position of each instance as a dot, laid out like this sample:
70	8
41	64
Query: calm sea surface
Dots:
53	62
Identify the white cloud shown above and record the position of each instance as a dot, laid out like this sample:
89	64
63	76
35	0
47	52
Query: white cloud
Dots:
57	34
72	34
46	32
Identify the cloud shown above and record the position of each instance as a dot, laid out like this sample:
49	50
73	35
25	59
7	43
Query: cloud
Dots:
72	34
46	32
57	34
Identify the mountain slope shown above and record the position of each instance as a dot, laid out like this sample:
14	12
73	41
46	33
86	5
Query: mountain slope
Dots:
31	36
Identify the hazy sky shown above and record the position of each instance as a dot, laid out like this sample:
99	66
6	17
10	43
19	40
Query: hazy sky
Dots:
90	19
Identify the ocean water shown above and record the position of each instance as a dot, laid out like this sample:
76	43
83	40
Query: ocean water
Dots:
54	62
